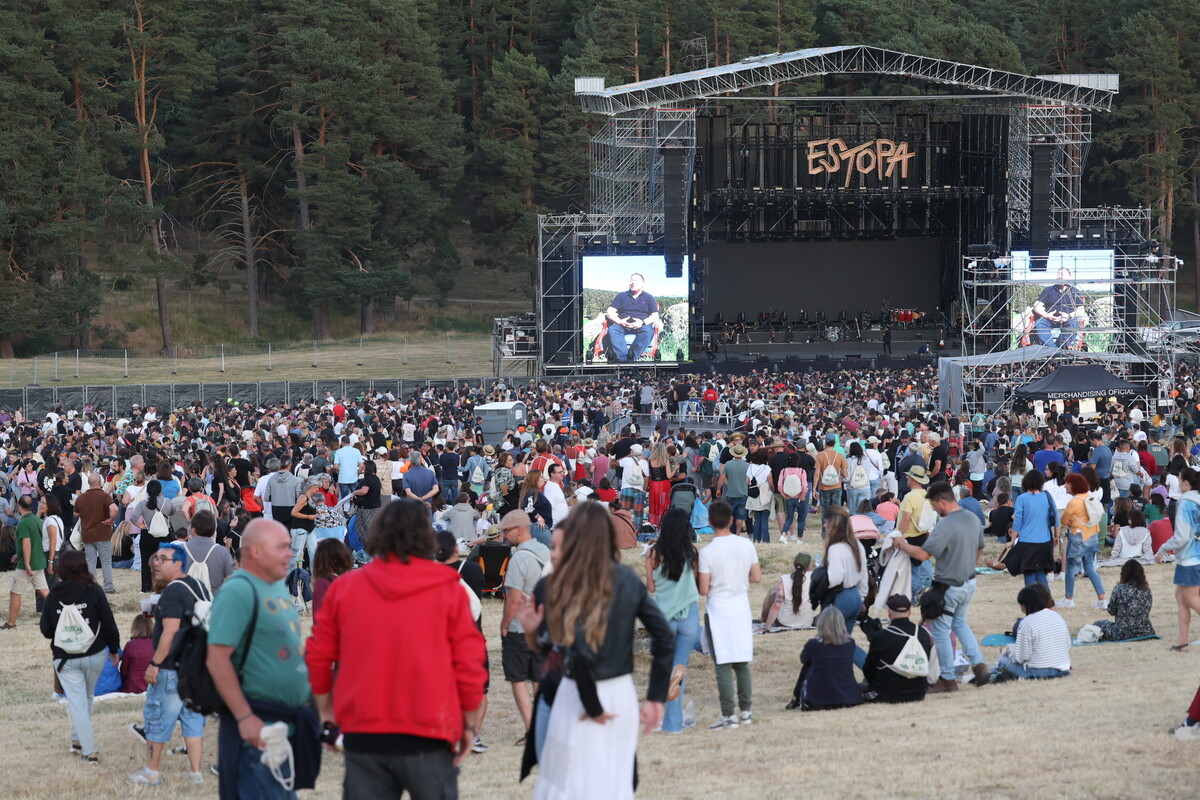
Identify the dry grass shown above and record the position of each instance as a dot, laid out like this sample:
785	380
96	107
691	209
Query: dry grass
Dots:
1102	733
397	355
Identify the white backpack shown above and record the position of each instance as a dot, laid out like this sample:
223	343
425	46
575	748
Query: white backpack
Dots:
72	634
793	483
829	476
203	504
477	475
912	662
159	528
633	477
858	477
927	519
203	608
1118	468
199	569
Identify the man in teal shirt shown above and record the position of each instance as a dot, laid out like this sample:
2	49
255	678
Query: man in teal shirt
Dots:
270	680
30	560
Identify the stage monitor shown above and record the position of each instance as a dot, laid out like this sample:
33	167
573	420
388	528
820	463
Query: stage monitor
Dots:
632	313
1064	294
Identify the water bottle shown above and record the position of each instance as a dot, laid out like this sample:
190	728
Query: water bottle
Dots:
689	714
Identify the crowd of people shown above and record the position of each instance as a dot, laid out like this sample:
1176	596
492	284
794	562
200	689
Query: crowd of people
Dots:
234	516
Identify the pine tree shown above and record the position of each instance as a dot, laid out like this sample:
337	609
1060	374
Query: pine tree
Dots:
508	133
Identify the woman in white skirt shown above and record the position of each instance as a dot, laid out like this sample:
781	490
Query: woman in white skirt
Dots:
592	602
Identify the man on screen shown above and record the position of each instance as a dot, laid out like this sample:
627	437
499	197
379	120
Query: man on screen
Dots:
632	312
1059	306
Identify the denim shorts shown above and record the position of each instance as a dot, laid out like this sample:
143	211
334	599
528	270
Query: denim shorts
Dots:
164	706
1187	576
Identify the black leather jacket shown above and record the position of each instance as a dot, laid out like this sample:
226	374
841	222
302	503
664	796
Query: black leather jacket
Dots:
631	601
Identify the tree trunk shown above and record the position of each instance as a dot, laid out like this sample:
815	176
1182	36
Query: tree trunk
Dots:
143	105
321	323
6	347
320	312
1196	233
366	317
248	254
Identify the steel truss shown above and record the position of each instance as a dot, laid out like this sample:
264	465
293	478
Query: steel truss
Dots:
627	166
1001	352
559	308
845	60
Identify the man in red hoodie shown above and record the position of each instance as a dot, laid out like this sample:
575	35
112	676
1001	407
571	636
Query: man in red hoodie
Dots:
409	676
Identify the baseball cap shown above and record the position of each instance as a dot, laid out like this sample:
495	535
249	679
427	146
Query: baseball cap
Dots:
899	603
802	560
515	519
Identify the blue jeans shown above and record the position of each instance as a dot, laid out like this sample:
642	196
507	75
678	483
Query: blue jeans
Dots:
1045	332
1007	666
1036	577
856	496
958	601
828	498
798	509
1082	556
687	633
78	677
738	506
922	576
541	726
301	540
345	489
255	779
164	707
761	531
849	602
449	492
629	351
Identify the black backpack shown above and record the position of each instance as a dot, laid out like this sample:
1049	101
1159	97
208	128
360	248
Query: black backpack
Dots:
196	686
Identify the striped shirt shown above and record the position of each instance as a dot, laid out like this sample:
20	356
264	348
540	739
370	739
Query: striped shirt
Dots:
1043	640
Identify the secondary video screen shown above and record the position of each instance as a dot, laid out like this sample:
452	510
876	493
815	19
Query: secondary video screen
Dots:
632	313
1066	297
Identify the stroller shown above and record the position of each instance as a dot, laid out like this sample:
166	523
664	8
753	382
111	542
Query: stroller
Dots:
683	496
866	532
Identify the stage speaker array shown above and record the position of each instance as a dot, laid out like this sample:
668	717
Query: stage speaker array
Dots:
675	167
1041	195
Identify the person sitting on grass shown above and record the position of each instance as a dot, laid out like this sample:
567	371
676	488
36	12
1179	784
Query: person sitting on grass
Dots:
787	602
1133	540
1130	604
1043	646
884	683
826	678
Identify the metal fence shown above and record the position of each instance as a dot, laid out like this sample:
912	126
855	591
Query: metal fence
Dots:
37	400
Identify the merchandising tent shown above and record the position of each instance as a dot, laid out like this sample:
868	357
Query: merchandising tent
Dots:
1079	381
953	370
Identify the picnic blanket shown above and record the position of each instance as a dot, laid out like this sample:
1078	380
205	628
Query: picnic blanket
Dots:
1001	639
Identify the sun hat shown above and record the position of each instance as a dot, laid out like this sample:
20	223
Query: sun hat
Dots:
737	451
918	474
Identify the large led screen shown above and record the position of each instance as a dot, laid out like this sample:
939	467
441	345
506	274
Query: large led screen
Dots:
631	312
1065	297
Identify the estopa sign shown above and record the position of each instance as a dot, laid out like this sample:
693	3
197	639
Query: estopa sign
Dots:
881	157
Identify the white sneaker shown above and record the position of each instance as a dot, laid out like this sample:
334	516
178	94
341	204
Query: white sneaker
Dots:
1066	602
724	722
1187	732
746	718
1100	605
783	538
197	778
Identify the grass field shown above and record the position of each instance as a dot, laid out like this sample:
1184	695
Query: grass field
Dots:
394	355
1102	733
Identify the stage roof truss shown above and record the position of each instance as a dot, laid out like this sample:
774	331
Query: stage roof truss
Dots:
767	70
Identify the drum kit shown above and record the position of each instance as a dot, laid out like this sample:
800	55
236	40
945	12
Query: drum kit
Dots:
902	318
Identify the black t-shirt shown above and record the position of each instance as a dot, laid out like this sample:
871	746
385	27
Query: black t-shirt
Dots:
809	465
941	454
778	463
63	494
472	575
371	498
176	602
241	471
1000	521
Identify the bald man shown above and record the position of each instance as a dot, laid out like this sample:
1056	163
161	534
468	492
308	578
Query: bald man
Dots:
96	512
273	673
